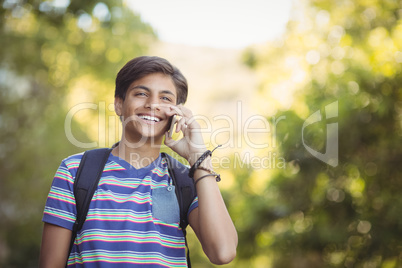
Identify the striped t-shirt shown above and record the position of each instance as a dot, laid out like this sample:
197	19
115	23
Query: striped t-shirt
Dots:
133	218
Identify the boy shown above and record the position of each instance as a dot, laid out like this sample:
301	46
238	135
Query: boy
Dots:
122	228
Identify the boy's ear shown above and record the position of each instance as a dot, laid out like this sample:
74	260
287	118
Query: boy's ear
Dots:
118	105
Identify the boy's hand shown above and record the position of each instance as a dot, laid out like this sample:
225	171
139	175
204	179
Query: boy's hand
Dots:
192	145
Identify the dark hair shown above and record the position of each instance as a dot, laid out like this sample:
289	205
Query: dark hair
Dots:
140	67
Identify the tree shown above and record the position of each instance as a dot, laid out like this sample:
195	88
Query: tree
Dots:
311	214
53	53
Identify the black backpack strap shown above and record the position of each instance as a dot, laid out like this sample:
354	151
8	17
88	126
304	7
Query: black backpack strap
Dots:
185	192
86	181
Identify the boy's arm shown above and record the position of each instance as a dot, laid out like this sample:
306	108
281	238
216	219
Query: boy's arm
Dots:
55	246
211	221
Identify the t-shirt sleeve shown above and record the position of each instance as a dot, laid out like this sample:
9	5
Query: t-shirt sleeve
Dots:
60	207
193	205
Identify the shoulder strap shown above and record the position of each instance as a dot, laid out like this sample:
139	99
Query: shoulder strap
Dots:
185	189
185	193
86	181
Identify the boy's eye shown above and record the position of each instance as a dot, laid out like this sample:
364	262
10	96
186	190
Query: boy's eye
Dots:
166	98
140	94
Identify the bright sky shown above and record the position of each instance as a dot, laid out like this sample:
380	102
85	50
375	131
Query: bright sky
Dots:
215	23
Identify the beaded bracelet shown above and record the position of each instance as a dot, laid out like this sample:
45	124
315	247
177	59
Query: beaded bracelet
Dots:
206	169
199	161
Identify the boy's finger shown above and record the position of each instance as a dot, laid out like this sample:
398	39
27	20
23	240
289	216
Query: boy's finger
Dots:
175	110
181	124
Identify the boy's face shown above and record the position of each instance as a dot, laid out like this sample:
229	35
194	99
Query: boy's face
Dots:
144	109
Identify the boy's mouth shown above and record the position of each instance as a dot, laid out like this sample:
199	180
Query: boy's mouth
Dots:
149	118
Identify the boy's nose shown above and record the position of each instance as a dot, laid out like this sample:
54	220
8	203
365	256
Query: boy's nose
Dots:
153	103
155	106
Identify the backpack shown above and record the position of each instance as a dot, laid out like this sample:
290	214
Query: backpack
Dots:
88	175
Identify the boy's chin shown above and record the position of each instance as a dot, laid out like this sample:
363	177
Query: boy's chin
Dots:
145	135
154	136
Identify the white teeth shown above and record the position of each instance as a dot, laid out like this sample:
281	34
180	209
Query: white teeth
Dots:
151	118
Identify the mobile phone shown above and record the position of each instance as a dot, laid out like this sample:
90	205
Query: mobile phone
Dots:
172	126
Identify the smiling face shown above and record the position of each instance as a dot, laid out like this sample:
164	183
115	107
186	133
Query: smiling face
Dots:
144	108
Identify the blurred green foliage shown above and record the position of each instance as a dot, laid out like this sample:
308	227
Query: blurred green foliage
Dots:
45	47
309	214
324	216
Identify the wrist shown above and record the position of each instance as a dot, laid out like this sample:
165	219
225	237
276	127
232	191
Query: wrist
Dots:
193	157
196	161
206	164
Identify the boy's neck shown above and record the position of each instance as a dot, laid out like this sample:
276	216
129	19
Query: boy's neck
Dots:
138	156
